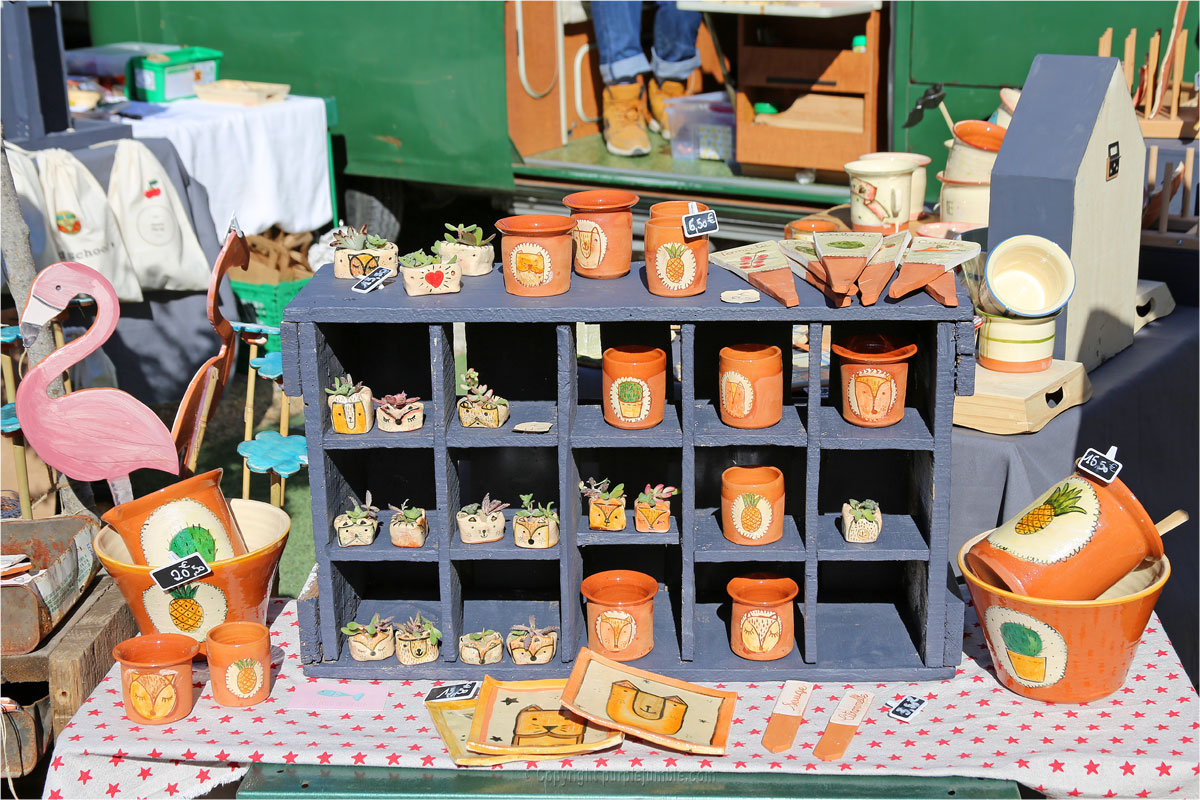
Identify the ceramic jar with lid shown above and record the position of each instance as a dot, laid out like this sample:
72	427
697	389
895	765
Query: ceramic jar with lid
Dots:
535	253
603	231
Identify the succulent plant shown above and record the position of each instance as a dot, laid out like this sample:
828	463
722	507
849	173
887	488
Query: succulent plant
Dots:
376	625
486	507
357	239
471	235
344	387
530	631
866	510
420	627
393	405
416	259
478	393
598	490
480	635
653	495
529	509
410	514
365	511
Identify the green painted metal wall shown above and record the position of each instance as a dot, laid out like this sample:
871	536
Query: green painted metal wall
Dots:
420	86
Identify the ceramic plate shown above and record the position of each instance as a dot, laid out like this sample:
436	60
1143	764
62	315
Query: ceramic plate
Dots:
453	719
666	711
527	718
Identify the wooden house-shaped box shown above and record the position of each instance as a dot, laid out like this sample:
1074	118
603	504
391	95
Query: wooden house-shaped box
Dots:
1071	170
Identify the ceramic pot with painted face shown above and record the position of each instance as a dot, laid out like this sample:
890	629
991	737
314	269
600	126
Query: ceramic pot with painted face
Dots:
751	390
752	508
156	677
633	386
676	266
880	194
920	178
417	642
239	663
874	372
535	254
603	231
762	626
481	647
620	613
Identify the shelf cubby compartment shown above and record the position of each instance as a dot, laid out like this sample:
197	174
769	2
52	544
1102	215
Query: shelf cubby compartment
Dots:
391	476
710	541
865	616
890	478
714	610
505	473
635	468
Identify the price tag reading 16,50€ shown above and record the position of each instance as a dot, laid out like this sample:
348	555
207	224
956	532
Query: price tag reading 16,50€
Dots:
1101	466
187	569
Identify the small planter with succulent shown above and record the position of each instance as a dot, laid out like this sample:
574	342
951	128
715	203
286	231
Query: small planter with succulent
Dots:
475	254
481	647
862	521
481	522
397	413
606	507
417	641
425	274
652	509
409	526
529	644
358	253
480	408
373	641
357	526
350	406
535	526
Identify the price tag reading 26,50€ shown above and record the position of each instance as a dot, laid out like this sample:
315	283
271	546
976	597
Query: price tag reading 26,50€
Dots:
187	569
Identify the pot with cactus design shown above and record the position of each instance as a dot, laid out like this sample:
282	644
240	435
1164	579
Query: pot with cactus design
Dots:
481	647
652	510
481	522
529	644
535	254
535	526
606	507
474	254
425	274
752	508
632	386
417	641
676	266
408	527
239	663
357	526
349	406
358	253
763	616
1024	648
603	231
398	413
481	408
862	521
374	640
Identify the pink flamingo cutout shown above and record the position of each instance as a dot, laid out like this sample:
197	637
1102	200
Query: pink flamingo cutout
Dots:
93	434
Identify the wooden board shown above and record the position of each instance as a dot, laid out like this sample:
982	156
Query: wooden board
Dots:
1154	301
1006	402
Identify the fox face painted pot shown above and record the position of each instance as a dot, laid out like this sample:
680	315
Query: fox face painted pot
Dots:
239	663
676	266
880	194
360	263
375	646
751	377
603	231
156	677
752	505
528	648
633	384
652	517
762	626
874	372
482	647
535	532
1071	543
1065	651
607	515
535	254
620	613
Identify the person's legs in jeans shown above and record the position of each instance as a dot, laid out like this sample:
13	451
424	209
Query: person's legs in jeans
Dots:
674	58
618	28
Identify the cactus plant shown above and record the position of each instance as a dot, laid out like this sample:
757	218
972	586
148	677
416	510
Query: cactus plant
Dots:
481	408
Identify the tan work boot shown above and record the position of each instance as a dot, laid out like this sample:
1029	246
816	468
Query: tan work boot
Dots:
666	91
624	126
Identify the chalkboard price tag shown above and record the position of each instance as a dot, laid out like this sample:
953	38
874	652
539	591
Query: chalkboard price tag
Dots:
907	708
1101	466
185	570
699	224
372	281
455	691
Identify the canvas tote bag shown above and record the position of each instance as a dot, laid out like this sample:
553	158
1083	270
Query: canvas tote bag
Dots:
33	206
157	232
85	229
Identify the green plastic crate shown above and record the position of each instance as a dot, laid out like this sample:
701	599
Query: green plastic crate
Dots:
160	81
268	301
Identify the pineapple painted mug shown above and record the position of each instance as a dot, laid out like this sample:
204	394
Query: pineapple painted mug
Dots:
535	254
676	266
603	231
632	386
620	613
752	505
1072	543
751	391
239	663
156	677
763	624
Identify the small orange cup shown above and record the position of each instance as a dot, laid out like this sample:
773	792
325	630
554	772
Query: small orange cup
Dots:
805	227
763	625
674	209
535	251
603	231
675	266
633	386
874	373
620	613
239	663
752	505
751	378
156	677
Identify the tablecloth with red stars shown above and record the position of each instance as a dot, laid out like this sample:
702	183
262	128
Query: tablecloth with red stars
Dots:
1139	742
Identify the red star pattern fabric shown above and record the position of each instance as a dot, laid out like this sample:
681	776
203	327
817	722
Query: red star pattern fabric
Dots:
1139	742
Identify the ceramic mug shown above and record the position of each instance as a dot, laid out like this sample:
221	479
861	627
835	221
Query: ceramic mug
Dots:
964	202
633	386
1027	276
874	373
1021	344
620	613
752	505
535	254
751	385
920	177
1065	651
676	266
805	227
762	625
239	663
880	194
674	209
1009	98
156	676
976	145
603	231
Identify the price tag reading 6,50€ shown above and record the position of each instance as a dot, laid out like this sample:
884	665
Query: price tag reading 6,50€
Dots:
699	223
187	569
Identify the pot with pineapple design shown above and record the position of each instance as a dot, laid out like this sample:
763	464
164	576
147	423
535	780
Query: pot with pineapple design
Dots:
752	505
676	266
481	522
239	663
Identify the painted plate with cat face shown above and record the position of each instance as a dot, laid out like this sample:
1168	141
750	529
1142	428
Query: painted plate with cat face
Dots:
526	717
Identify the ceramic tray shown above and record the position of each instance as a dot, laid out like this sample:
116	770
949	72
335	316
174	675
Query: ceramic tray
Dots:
453	719
526	718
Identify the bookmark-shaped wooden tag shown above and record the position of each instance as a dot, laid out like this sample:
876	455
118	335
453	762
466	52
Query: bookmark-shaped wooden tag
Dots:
786	716
846	718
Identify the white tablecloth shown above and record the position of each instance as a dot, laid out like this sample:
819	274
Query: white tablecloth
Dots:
268	165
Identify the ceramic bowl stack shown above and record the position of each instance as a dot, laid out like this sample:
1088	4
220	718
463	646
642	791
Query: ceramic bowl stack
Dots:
967	178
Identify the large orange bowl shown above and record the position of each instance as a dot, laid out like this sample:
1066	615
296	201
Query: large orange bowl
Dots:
1066	651
237	590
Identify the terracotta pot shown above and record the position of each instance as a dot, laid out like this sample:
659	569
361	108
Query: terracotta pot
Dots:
804	228
156	677
411	418
358	263
1063	651
1071	543
351	413
473	260
603	231
238	589
874	373
976	145
404	533
1016	344
1026	276
191	516
762	626
674	209
365	647
478	528
239	663
634	386
535	253
480	647
654	518
880	194
413	649
620	613
752	505
607	515
920	178
751	377
535	533
964	201
439	278
675	266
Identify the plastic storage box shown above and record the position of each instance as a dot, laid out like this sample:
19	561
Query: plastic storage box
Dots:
702	127
169	76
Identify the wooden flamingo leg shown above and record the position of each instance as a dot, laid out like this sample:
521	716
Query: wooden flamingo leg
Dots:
248	418
19	466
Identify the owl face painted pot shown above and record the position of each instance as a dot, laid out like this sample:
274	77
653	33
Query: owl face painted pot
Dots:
535	254
763	620
620	613
156	677
874	373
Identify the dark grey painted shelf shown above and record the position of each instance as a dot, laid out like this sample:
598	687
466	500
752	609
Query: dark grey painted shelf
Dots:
878	611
